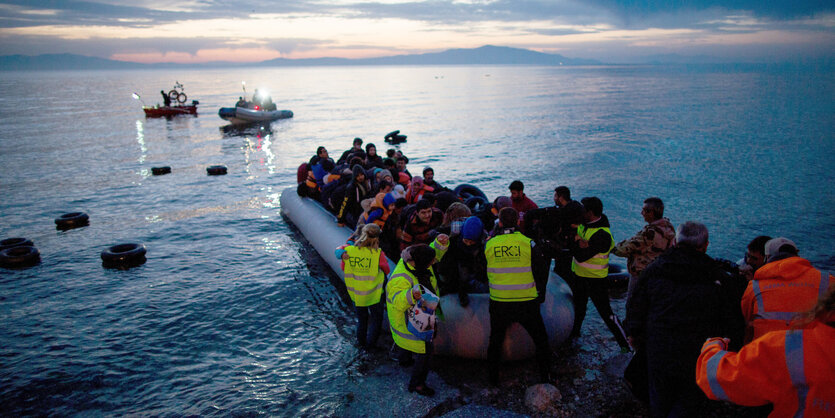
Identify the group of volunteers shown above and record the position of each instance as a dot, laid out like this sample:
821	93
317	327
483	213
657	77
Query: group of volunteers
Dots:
756	333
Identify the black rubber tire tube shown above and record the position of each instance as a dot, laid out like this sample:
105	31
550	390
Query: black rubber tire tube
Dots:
216	170
123	255
72	220
15	242
18	257
158	171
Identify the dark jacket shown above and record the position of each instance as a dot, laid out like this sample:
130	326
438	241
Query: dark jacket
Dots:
551	226
600	242
461	264
679	302
350	209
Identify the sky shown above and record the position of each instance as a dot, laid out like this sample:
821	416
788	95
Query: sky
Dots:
195	31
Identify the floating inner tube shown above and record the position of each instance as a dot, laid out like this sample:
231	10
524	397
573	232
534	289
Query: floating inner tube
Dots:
396	139
72	220
123	256
466	191
15	242
216	170
21	256
391	135
158	171
477	204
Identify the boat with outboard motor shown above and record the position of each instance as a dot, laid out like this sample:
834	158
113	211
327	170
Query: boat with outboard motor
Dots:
463	331
240	115
163	111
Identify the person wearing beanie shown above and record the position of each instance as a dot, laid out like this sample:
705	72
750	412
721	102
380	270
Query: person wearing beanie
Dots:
359	188
379	210
783	287
418	225
464	269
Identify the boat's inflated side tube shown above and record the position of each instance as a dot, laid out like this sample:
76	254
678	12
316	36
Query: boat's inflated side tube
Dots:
226	112
464	332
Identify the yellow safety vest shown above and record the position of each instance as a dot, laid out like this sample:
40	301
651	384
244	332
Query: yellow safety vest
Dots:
363	277
509	268
399	299
598	265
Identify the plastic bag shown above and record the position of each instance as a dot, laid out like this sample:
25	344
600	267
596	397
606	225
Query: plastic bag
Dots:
420	317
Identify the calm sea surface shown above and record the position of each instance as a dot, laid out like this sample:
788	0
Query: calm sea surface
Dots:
233	314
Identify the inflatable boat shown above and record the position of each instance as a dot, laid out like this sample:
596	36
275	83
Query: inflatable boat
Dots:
244	115
463	332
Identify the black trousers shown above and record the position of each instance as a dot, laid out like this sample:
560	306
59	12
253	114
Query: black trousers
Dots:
421	367
597	289
502	315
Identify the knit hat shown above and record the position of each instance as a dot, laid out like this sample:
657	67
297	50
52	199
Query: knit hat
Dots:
772	247
501	202
472	229
399	191
389	199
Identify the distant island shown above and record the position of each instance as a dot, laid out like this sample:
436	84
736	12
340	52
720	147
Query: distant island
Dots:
485	55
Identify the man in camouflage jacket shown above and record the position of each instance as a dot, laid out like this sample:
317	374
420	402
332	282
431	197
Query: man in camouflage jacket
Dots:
651	241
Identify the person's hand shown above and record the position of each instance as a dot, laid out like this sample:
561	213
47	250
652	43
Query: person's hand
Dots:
416	294
345	256
443	239
583	243
723	342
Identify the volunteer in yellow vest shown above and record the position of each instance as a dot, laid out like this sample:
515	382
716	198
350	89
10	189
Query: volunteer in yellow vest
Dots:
590	266
513	292
414	267
365	268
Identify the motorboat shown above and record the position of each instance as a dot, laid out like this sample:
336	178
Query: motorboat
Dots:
247	113
176	110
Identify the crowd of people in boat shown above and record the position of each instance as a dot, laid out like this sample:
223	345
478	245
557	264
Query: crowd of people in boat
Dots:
756	332
260	101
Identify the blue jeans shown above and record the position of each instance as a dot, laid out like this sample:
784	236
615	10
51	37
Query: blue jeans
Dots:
369	322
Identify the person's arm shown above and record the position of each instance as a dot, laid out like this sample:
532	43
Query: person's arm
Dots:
598	243
750	377
384	263
374	215
631	245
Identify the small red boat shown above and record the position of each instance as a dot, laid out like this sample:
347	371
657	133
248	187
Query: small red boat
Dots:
162	111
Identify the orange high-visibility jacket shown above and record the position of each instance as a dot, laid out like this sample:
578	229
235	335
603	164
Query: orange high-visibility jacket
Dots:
794	370
780	290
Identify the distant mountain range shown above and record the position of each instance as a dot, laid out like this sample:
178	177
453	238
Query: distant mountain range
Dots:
485	55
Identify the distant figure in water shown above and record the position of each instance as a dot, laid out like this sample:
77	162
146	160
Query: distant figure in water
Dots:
166	101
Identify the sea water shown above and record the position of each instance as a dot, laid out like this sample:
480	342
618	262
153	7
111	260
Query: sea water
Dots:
233	313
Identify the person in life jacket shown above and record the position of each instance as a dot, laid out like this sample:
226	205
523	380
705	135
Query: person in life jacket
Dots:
416	190
793	369
785	286
590	266
365	267
380	209
513	293
414	268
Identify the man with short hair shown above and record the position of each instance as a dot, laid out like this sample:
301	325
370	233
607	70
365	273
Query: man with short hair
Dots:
590	266
429	179
357	146
754	256
653	239
521	202
514	296
424	219
782	288
678	303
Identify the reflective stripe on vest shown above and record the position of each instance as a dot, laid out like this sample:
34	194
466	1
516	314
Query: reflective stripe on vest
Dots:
598	265
405	335
712	367
390	298
509	268
794	363
782	316
363	277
